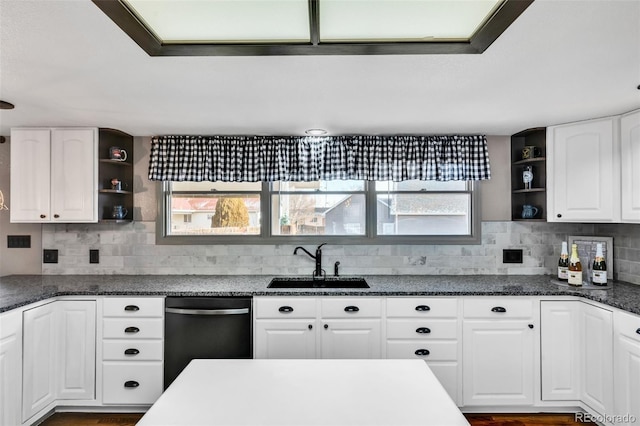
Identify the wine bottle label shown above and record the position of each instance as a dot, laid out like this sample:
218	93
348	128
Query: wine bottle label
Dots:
575	277
599	277
563	273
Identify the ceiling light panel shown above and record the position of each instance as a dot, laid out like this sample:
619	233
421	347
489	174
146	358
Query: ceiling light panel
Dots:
224	21
403	20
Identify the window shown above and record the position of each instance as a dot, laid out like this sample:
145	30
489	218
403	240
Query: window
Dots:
339	211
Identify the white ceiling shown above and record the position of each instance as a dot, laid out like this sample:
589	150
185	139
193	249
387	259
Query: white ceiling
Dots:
65	63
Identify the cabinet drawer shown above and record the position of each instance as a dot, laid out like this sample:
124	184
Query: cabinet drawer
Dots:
132	350
429	351
351	307
133	307
285	307
422	307
132	328
131	382
422	329
628	325
497	308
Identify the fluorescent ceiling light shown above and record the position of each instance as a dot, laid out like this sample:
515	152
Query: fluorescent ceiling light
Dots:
224	21
405	20
312	27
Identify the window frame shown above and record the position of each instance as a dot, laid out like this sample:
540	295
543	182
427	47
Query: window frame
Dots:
265	236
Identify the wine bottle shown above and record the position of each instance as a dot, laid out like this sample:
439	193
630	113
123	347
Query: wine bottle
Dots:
563	263
599	270
575	267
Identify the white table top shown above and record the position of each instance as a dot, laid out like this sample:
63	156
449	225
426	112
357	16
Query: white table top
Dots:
327	392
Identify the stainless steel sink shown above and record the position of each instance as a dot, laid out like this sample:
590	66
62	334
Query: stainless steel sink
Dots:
329	282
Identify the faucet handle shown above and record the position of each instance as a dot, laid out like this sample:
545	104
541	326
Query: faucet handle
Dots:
323	244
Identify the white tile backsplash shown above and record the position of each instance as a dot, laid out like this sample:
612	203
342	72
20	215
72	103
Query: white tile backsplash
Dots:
131	249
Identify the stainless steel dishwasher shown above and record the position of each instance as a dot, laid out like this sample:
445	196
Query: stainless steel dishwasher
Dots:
205	327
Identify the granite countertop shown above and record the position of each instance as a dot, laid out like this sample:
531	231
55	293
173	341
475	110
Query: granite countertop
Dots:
20	290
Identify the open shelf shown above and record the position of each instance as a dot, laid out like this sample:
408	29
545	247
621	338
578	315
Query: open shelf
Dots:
109	169
537	195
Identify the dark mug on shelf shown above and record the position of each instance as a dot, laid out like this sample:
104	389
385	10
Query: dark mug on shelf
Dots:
117	153
530	151
529	211
119	212
116	184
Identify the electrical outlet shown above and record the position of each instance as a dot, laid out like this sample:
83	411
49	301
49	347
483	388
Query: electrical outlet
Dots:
512	256
94	256
49	256
18	241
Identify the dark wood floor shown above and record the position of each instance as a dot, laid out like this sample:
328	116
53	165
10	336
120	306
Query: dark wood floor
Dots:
86	419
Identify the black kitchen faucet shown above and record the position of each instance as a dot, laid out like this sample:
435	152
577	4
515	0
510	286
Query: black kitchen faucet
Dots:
318	273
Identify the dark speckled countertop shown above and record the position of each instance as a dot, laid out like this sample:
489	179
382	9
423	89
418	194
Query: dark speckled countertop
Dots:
20	290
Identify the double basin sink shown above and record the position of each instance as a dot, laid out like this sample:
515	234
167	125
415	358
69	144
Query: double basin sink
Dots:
328	282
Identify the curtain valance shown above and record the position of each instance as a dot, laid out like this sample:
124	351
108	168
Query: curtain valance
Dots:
304	158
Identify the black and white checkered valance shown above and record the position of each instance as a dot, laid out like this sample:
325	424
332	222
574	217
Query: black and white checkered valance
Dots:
304	159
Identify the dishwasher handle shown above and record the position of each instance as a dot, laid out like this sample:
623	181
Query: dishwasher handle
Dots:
182	311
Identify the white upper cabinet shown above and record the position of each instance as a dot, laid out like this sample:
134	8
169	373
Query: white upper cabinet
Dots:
630	166
583	171
54	175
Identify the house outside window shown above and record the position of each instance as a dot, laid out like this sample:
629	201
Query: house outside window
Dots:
338	211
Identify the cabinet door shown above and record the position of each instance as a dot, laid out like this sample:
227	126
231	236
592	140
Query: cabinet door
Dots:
77	342
627	365
583	172
74	166
597	358
290	339
10	368
630	157
351	338
39	360
561	350
497	362
30	175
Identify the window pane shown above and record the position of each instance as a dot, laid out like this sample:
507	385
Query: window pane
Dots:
424	214
318	214
322	186
228	214
421	185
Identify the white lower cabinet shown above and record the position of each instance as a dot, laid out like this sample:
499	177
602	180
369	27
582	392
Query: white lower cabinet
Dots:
59	354
498	351
627	367
429	329
132	350
561	350
324	327
10	368
597	358
577	354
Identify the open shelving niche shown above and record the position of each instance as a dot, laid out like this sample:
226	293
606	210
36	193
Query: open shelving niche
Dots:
537	195
109	169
